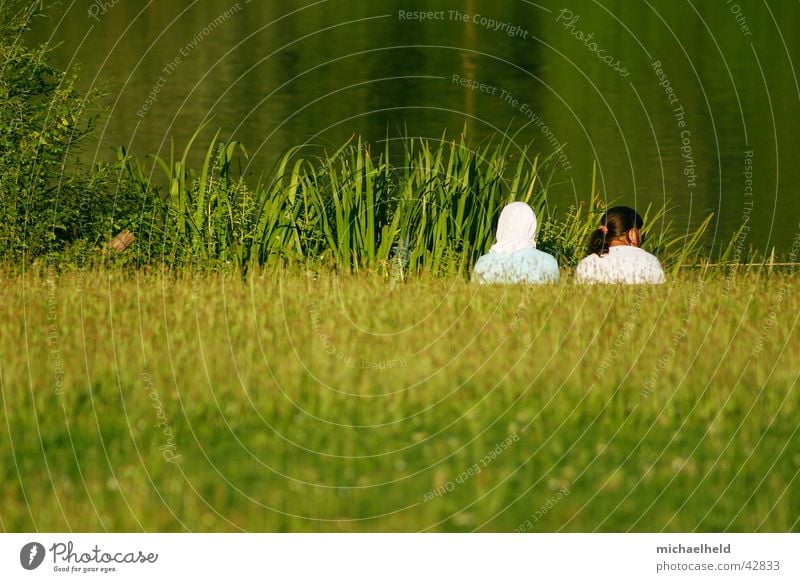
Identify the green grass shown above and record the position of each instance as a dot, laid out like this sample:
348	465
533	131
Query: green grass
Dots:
277	427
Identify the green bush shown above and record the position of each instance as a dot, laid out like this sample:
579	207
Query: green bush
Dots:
49	203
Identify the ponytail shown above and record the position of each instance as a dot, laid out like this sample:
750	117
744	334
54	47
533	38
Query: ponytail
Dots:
598	242
615	222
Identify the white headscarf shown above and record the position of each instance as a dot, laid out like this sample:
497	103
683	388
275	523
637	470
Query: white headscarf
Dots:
515	229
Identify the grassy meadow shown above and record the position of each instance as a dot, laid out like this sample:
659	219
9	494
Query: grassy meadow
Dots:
297	348
288	402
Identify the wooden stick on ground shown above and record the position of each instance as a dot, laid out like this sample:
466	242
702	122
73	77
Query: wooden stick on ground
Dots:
122	241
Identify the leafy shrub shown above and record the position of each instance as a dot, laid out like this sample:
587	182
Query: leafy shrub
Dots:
48	202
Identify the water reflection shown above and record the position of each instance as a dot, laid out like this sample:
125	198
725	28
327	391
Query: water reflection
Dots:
275	74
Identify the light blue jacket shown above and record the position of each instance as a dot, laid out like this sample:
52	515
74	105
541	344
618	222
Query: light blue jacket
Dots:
524	266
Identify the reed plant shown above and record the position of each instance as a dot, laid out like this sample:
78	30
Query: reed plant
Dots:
432	212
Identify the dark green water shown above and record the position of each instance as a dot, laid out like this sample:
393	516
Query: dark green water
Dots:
582	75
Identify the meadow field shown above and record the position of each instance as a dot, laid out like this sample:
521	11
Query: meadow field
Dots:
187	401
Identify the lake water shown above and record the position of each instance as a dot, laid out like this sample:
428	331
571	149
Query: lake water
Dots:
696	102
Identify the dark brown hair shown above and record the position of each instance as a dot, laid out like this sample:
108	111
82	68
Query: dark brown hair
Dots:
617	220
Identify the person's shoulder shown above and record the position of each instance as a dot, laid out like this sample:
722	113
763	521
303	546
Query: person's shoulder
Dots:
632	251
655	272
646	266
588	260
589	270
543	256
590	257
650	259
526	255
483	263
544	261
483	259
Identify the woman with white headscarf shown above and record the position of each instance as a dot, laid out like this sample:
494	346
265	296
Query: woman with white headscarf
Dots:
514	258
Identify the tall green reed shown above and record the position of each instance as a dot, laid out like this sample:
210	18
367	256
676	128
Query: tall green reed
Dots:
354	210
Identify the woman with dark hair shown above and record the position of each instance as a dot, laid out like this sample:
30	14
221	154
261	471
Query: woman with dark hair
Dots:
614	255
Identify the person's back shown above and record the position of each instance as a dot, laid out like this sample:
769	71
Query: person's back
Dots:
614	255
514	257
621	264
523	266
